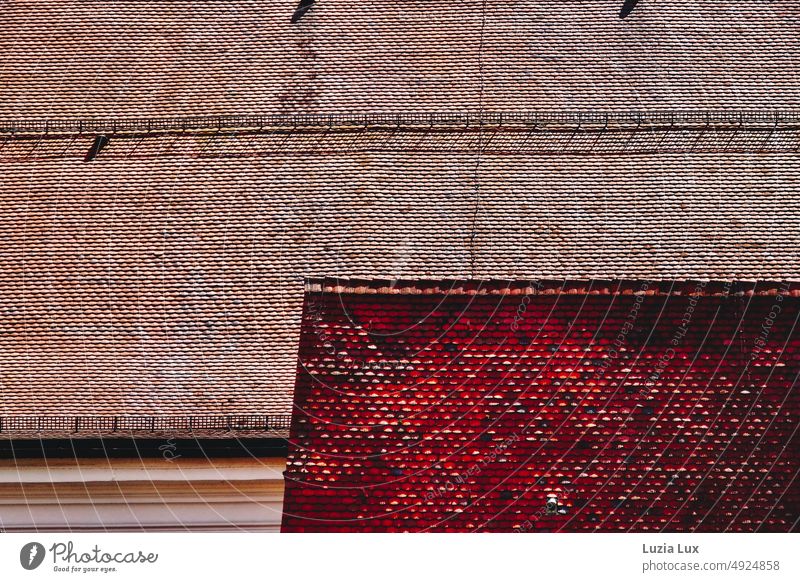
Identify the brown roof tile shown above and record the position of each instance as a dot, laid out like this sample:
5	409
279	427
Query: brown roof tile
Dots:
172	285
582	133
71	59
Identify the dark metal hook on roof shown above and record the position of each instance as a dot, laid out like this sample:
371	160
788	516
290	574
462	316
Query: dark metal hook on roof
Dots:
100	142
627	7
302	8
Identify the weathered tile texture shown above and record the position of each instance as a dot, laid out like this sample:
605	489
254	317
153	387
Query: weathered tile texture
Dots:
84	59
463	413
165	277
174	286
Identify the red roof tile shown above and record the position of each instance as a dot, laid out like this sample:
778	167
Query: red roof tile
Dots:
74	59
163	279
168	285
640	411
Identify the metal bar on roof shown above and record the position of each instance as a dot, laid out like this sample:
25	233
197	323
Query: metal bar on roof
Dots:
259	122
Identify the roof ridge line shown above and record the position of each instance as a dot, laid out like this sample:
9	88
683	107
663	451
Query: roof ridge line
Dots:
556	120
550	286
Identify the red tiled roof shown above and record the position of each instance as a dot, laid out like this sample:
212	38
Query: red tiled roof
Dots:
163	279
151	282
656	408
77	59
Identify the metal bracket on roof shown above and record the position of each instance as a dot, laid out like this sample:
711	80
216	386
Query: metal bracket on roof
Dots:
736	130
701	132
627	7
36	145
574	132
668	130
635	130
602	131
100	142
318	144
531	131
302	8
771	131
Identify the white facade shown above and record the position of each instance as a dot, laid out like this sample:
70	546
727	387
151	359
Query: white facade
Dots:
141	494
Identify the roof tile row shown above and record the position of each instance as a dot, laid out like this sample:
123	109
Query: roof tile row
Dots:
74	59
467	413
167	286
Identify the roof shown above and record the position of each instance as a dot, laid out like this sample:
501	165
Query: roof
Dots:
173	171
72	59
464	406
164	278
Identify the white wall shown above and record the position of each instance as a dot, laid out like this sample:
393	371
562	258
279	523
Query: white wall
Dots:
137	494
